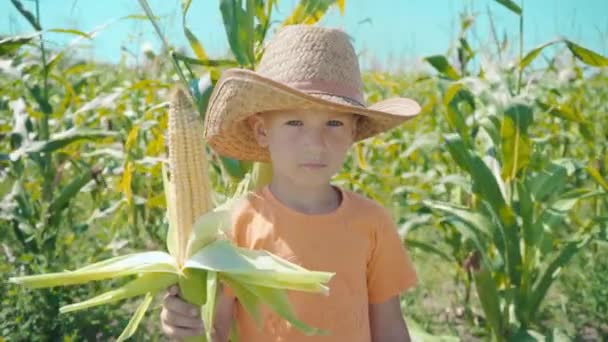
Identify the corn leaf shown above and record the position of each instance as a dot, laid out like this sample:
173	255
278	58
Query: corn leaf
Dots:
441	64
150	282
146	262
222	256
136	319
549	273
192	286
246	298
488	296
531	55
587	56
207	228
237	30
209	312
516	146
278	301
512	6
459	102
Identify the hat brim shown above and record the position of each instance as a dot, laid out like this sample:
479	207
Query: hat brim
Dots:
240	93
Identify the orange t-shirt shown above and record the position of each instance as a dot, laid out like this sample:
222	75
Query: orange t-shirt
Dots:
358	241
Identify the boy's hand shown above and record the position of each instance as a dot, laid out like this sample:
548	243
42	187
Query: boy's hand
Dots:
179	318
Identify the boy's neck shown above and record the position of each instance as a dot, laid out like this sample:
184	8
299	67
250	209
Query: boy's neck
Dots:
311	200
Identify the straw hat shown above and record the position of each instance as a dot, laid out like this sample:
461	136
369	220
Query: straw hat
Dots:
303	67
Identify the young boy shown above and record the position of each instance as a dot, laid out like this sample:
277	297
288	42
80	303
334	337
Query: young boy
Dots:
301	110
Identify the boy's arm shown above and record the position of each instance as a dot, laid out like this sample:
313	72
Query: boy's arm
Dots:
223	318
387	323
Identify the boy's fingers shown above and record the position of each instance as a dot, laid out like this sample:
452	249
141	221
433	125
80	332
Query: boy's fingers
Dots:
176	333
178	305
172	319
174	290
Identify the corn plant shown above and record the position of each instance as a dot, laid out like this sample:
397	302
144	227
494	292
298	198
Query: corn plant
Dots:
516	217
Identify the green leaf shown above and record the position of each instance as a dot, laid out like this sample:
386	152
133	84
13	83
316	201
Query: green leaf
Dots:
10	45
308	12
473	227
258	267
531	55
136	318
209	313
441	64
550	272
277	300
489	298
193	287
195	44
59	141
587	56
428	248
246	298
146	262
595	174
236	23
233	166
207	228
526	212
72	31
562	111
547	182
512	6
459	102
516	146
149	282
484	182
68	192
480	223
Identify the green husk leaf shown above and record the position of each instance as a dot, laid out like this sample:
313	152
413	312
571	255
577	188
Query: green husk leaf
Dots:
136	319
209	311
246	298
192	286
278	301
222	256
147	262
149	282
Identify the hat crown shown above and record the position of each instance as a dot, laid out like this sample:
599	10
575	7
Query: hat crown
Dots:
313	59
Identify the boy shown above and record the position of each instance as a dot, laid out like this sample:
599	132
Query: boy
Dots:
301	110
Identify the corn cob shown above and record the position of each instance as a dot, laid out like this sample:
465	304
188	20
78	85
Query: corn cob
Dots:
188	166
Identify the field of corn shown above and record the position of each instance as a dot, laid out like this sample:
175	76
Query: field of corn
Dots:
499	187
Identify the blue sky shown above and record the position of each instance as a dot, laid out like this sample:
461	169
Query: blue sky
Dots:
387	32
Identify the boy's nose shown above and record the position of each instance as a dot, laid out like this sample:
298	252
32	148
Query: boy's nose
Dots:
314	139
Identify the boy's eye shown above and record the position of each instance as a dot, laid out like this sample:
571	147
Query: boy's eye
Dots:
335	123
294	123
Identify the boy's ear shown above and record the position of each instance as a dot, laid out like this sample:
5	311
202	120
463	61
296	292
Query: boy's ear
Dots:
258	126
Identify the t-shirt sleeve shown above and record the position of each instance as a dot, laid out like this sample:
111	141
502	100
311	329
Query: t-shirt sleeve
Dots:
390	270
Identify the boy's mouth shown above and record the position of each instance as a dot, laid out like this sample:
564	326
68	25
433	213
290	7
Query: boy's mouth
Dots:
313	165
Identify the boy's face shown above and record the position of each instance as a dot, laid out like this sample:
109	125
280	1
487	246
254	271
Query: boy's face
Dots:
308	147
